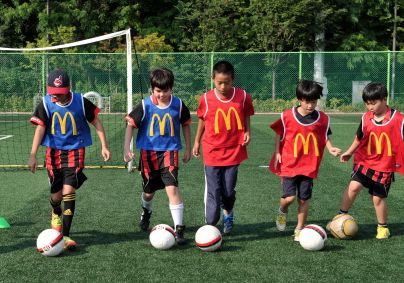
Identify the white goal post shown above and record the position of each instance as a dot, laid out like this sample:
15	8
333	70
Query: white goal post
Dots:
101	101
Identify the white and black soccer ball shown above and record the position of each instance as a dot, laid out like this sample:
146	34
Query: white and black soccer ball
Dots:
50	242
162	237
312	237
343	226
208	238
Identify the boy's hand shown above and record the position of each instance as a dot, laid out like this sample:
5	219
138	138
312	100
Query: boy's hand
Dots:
106	154
345	157
128	156
32	163
278	159
195	150
187	156
335	151
246	138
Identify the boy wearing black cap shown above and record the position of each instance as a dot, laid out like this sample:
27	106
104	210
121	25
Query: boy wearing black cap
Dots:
62	126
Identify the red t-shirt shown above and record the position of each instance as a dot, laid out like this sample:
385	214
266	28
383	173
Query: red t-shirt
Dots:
301	145
224	127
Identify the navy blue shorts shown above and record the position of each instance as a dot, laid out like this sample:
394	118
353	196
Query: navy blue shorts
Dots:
299	185
374	188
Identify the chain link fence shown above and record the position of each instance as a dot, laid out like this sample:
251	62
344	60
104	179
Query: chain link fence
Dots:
269	77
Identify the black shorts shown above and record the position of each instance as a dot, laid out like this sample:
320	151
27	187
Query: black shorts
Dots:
65	176
159	179
375	188
299	185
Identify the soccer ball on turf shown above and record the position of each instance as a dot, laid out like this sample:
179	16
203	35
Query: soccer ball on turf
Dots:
50	242
162	237
208	238
312	237
343	226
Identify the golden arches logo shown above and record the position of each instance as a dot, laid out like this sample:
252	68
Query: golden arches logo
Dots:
226	118
378	143
305	142
62	123
162	123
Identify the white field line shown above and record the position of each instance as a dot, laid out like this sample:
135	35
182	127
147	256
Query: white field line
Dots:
3	137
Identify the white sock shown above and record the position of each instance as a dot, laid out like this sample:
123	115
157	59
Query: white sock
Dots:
177	212
146	204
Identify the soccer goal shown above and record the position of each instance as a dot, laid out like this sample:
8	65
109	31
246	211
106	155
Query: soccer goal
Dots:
104	78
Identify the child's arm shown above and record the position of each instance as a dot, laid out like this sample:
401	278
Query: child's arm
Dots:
347	154
128	155
278	155
36	142
103	139
198	136
186	132
247	133
335	151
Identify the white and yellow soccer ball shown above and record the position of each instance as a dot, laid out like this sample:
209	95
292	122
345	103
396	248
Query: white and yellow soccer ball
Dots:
162	237
343	226
312	237
208	238
50	242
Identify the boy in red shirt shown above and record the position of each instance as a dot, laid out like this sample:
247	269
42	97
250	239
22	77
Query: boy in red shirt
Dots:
376	150
224	128
302	133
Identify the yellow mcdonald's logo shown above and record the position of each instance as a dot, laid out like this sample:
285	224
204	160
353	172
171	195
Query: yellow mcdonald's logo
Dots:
62	122
378	143
226	118
305	142
162	123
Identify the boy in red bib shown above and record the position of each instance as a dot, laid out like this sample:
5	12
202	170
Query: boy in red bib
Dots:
302	133
375	148
224	128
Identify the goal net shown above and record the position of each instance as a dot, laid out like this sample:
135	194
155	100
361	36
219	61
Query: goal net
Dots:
104	78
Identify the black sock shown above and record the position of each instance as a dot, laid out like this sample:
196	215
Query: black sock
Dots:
69	203
382	224
56	206
343	211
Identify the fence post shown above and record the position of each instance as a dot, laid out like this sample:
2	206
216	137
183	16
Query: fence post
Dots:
43	75
300	64
211	68
388	76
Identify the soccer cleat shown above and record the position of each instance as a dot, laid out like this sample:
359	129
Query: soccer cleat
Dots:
228	223
296	235
179	235
56	222
145	219
70	244
382	233
281	221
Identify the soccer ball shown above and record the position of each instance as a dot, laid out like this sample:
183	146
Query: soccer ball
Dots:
162	237
312	237
343	226
208	238
50	242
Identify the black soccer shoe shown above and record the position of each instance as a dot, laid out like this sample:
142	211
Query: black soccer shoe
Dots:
179	235
145	219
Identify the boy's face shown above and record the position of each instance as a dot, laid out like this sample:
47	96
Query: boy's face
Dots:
223	83
377	107
162	95
308	106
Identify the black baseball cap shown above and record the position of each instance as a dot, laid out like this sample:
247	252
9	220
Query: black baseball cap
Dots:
58	82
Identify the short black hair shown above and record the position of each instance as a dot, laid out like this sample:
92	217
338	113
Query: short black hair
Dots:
162	78
223	67
309	90
374	91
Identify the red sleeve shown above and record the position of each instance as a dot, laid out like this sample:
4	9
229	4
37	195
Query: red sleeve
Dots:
200	112
277	126
248	106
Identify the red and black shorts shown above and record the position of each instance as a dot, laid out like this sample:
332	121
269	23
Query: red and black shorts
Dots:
369	179
65	167
159	169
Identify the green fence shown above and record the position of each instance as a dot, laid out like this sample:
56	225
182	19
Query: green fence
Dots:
268	77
